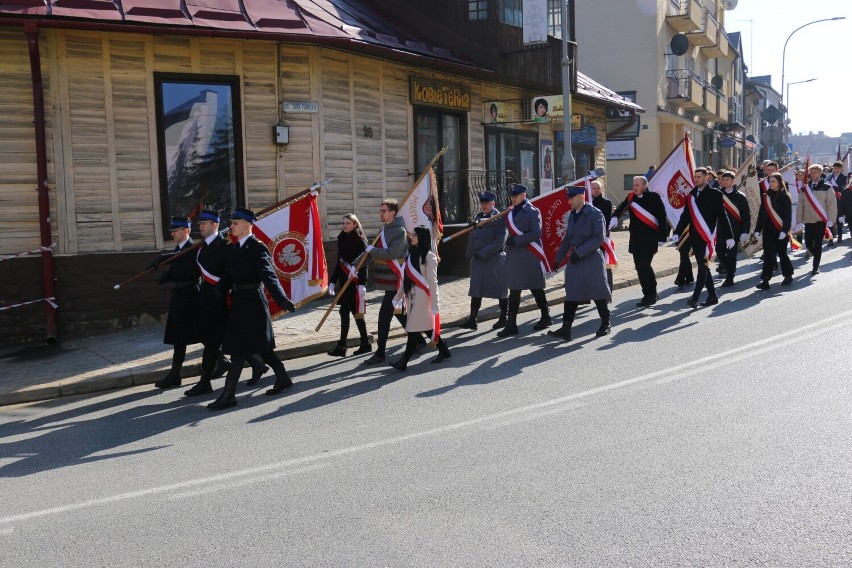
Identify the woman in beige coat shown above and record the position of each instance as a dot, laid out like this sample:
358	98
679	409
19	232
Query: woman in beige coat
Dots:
419	293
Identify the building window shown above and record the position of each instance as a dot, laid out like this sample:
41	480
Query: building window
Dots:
199	146
513	151
511	12
477	10
433	130
554	17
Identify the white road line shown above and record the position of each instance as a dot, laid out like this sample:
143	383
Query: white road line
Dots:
722	358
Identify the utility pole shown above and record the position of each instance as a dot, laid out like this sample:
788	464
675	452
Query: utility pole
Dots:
568	167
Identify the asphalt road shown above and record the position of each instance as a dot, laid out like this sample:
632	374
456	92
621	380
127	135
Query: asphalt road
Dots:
716	437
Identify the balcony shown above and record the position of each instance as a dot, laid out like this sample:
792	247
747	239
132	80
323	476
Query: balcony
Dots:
458	191
735	112
683	89
707	33
721	108
708	104
684	15
720	48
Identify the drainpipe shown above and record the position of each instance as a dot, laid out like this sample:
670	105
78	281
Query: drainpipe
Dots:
31	31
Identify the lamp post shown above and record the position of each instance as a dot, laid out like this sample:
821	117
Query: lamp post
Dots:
784	52
787	99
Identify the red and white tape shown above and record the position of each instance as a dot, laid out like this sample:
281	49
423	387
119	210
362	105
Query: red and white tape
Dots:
50	301
29	252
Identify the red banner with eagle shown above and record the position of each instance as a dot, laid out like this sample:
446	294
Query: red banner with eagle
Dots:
293	236
675	179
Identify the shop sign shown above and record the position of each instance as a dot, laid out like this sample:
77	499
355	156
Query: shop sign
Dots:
432	92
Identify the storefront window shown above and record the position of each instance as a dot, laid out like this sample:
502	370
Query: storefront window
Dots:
433	130
584	161
199	148
516	152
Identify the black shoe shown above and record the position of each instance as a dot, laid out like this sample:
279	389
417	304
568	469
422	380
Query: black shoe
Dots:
170	381
372	360
282	382
727	283
223	402
441	357
710	301
366	347
830	243
256	375
470	324
201	387
400	365
543	323
500	323
647	301
692	303
508	331
764	285
221	369
604	329
815	271
338	351
787	281
563	333
420	345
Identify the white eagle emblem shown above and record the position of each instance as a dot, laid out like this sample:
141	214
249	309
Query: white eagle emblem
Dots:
562	226
289	256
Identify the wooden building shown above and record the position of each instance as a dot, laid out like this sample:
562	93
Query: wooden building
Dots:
152	108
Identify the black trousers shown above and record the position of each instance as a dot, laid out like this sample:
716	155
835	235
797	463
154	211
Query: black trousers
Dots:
538	296
775	247
570	312
728	258
814	233
704	278
385	317
684	271
645	272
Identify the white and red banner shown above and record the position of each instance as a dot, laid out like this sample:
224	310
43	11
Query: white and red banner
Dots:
293	236
554	207
674	179
421	207
749	185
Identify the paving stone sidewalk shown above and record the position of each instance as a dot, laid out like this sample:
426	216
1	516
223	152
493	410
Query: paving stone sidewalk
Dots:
138	356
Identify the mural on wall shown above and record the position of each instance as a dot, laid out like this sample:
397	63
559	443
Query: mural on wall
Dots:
546	157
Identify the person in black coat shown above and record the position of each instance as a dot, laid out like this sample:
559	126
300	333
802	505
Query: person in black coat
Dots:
213	307
837	180
181	323
773	221
739	215
249	330
648	229
710	208
351	244
603	205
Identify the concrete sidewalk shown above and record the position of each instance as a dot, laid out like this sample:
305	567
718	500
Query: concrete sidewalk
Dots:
138	356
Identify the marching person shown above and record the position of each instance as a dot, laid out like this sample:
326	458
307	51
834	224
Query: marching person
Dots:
487	262
773	221
816	211
604	205
648	229
181	323
248	270
387	272
351	243
685	275
845	206
837	181
704	214
419	293
585	271
213	307
739	215
524	260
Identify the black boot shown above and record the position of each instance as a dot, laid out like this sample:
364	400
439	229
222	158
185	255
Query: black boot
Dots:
365	346
203	386
544	321
564	332
443	351
605	328
410	346
471	322
282	380
228	397
222	367
338	351
257	372
511	326
170	381
501	321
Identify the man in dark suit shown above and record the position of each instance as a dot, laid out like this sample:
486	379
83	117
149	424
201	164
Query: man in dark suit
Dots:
704	214
837	181
739	215
604	205
249	328
648	229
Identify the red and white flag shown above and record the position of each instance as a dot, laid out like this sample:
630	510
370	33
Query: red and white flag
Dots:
674	179
749	185
293	236
554	207
421	207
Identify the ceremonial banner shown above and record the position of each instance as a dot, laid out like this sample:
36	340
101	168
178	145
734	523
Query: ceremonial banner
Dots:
749	185
674	179
554	207
421	207
293	236
794	186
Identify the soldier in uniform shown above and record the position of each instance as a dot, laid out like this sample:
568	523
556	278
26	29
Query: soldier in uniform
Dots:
704	214
585	272
816	211
604	205
181	323
389	256
523	267
213	307
350	245
739	215
647	229
248	269
487	262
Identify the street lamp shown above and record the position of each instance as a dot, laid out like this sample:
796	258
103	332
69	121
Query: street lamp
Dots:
784	52
788	93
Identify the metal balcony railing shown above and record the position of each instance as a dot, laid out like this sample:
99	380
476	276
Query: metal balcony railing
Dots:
680	82
681	7
458	191
735	112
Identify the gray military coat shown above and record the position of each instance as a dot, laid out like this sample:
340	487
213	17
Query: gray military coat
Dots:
523	268
488	272
585	279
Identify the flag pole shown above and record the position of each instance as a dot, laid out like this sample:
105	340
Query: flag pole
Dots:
263	212
363	258
478	225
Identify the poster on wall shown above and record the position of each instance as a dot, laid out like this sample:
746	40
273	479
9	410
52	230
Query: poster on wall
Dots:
546	108
546	157
494	112
535	21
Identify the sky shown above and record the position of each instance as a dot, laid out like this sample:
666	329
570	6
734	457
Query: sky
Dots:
816	52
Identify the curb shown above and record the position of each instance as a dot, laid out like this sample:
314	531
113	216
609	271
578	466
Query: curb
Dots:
128	378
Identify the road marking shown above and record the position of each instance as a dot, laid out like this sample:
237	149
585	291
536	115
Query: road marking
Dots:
6	531
248	481
747	350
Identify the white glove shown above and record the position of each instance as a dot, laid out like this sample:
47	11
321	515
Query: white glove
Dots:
782	235
842	218
757	234
743	237
675	238
798	227
352	272
331	289
830	224
397	304
613	222
370	248
730	243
